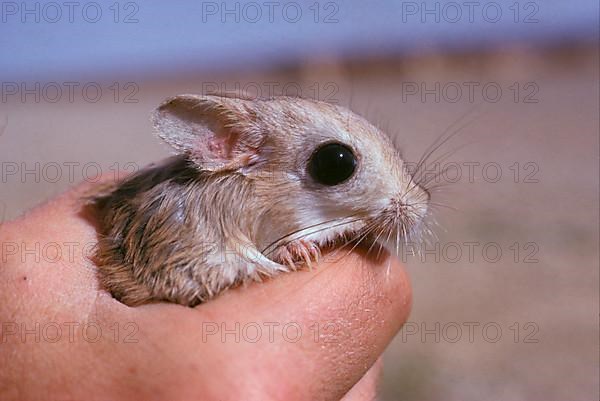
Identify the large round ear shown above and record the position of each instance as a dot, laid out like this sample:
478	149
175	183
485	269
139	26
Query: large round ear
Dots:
217	133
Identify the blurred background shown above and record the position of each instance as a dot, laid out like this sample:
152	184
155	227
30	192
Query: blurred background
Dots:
506	300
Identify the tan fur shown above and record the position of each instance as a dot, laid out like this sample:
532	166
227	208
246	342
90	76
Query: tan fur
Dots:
220	212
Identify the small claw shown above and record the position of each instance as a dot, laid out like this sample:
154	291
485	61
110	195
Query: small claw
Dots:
315	252
306	257
302	250
290	262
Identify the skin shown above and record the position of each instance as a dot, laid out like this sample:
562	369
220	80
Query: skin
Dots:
178	353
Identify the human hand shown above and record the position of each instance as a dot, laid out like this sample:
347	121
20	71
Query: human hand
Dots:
307	335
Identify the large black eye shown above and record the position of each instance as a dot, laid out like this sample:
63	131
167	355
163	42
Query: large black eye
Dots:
332	164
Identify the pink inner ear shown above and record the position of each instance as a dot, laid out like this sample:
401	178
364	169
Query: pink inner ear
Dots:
217	148
224	146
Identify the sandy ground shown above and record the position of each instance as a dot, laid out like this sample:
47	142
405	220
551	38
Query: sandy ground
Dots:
506	306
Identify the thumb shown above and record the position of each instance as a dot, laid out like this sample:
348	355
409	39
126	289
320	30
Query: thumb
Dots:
305	335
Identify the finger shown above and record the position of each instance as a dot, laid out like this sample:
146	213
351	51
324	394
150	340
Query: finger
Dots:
304	335
366	388
49	251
